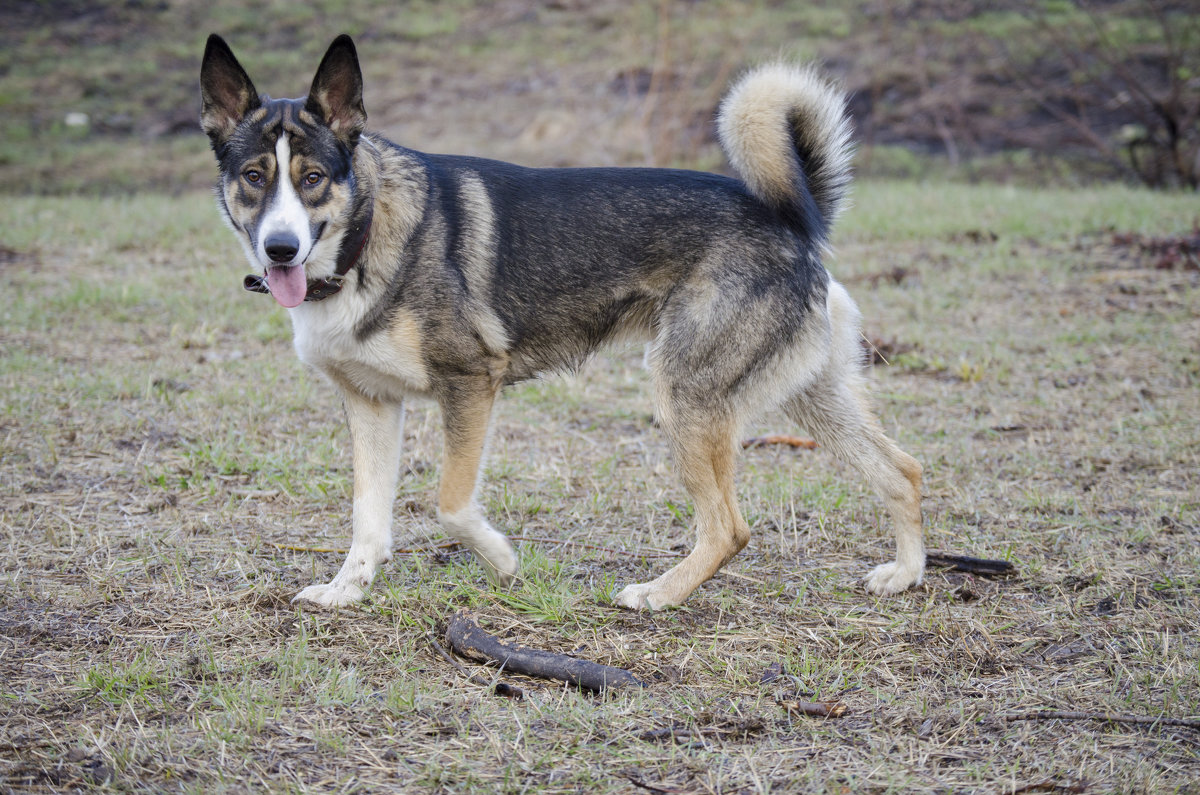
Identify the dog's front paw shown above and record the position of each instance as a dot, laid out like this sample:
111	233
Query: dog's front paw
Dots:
333	594
892	578
640	596
491	548
499	560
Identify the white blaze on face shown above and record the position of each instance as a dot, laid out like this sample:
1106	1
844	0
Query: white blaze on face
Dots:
286	216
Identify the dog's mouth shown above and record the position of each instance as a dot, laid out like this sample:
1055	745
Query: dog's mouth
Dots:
288	284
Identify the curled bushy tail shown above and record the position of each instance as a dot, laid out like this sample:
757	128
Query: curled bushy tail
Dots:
785	129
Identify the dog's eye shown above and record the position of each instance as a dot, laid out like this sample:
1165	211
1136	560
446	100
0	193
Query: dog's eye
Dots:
313	178
253	177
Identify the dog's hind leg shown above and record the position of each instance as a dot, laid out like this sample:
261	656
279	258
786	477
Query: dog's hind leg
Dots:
375	431
835	412
466	409
705	453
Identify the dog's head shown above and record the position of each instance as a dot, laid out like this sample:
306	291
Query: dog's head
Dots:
286	179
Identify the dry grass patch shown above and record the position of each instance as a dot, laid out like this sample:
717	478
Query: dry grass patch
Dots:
170	476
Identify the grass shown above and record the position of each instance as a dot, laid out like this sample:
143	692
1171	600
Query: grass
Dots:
170	475
126	74
101	98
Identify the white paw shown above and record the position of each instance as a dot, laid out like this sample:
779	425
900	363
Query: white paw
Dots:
639	596
334	594
491	548
498	559
892	578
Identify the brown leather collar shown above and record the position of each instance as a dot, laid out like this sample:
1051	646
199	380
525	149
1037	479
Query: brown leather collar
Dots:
320	289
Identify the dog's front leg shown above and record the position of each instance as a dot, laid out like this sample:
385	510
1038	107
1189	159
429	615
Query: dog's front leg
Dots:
466	410
375	431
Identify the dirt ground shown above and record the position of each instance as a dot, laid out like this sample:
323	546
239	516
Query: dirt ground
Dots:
170	476
100	97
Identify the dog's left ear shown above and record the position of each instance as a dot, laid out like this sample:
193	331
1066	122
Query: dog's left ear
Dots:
336	93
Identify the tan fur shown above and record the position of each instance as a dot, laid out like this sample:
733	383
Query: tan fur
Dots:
466	430
479	223
466	434
837	412
707	461
399	193
756	117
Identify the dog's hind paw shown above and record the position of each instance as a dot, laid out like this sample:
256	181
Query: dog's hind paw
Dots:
329	595
892	578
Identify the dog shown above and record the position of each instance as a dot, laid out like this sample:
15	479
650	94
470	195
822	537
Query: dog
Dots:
447	277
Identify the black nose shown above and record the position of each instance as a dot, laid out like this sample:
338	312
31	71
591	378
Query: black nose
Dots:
282	248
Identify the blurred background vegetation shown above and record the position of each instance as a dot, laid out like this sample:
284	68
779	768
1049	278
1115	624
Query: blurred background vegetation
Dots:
100	96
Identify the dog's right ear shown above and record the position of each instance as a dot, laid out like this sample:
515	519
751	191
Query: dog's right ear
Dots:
225	90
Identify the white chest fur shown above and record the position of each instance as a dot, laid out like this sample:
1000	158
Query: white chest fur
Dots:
387	365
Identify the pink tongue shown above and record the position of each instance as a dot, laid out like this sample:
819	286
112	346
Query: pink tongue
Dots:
288	285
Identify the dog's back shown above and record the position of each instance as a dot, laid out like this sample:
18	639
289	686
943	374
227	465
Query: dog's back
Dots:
578	257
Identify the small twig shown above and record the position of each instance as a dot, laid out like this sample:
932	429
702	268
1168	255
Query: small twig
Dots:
637	782
292	548
597	547
1050	785
653	553
797	442
681	734
445	655
342	551
663	733
738	576
451	544
818	709
1109	717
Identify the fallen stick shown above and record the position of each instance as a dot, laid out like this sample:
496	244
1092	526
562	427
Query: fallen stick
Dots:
798	442
469	640
499	688
1051	785
980	566
818	709
664	733
1110	717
